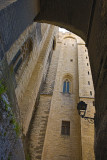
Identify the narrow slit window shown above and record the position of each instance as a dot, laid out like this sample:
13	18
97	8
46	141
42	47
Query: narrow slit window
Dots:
88	82
93	103
88	72
90	93
87	64
64	87
67	87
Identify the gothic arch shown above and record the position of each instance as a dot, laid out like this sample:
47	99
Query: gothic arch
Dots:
67	78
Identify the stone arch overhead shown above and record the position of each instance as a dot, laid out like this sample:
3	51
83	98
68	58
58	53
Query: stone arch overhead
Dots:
74	15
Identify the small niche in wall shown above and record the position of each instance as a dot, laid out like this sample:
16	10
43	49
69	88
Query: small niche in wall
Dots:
90	93
88	72
88	82
93	103
86	57
54	43
87	64
71	60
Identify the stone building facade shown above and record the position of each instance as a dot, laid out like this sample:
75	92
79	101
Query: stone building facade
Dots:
57	106
50	73
87	19
23	70
67	136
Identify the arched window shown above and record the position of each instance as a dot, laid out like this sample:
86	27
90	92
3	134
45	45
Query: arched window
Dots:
66	86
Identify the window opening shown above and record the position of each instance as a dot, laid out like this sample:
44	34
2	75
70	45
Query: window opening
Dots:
93	103
88	82
54	43
91	93
66	86
65	128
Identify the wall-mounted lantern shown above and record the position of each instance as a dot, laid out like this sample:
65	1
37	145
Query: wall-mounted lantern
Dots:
82	107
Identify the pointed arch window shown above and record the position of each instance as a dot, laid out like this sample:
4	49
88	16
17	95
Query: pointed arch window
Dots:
66	86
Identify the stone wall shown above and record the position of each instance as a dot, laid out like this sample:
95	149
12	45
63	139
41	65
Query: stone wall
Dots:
5	3
86	88
15	18
87	131
38	124
63	106
41	75
98	59
24	83
86	94
29	87
10	126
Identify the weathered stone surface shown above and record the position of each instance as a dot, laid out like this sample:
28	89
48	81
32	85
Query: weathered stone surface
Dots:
98	59
85	86
10	141
64	106
15	18
5	3
84	18
27	98
39	123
